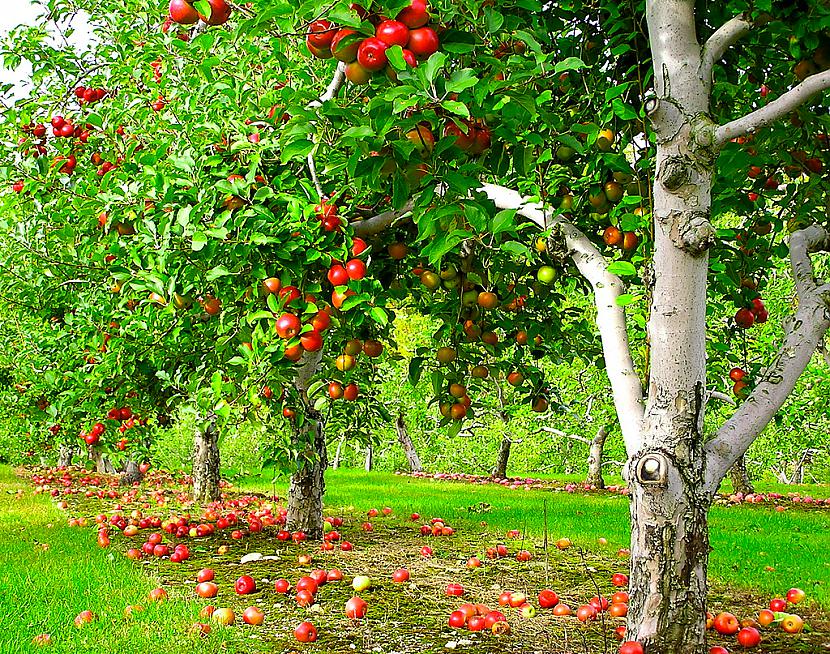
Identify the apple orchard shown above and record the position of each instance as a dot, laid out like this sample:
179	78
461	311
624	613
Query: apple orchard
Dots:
223	207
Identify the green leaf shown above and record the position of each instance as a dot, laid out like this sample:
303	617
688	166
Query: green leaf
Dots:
199	241
622	268
217	272
461	80
571	63
458	108
379	315
504	221
415	368
298	149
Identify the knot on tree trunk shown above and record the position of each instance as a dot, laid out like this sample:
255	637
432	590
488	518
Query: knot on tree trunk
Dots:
675	172
691	231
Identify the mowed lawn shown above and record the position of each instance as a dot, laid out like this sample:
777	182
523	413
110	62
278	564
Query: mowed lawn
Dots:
49	572
746	540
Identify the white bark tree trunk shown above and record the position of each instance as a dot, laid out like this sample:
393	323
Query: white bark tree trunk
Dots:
369	461
66	451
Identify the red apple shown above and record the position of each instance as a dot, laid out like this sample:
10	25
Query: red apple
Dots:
356	608
795	595
415	15
727	624
371	54
182	12
749	637
245	585
423	42
305	632
548	599
393	32
321	33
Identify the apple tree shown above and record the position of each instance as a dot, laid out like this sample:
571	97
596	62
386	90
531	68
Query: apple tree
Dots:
271	158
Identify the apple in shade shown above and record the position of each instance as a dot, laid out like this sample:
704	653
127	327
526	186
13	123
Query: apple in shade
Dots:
253	615
749	637
305	632
400	575
361	583
356	608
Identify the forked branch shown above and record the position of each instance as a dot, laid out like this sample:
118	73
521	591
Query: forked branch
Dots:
802	337
625	382
331	91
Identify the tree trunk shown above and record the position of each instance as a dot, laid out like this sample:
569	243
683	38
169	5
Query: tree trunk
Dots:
103	464
740	478
408	446
500	471
369	461
206	463
339	452
131	474
594	477
305	492
65	453
669	558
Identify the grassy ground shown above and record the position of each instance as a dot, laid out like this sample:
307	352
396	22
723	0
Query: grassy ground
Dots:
42	589
746	540
50	572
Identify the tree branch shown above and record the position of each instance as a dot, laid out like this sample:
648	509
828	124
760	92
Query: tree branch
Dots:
625	382
563	434
716	46
802	337
723	397
331	91
776	109
382	221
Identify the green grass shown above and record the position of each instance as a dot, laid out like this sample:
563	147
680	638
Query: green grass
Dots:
745	540
42	590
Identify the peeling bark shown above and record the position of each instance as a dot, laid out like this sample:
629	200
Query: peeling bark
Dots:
206	461
407	445
594	477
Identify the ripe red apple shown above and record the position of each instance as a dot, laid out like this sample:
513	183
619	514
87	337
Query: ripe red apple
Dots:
305	632
426	551
455	590
220	12
338	276
356	608
311	341
84	617
717	649
245	585
548	599
423	42
288	326
207	589
727	624
631	647
253	615
182	12
157	595
356	269
282	586
778	605
744	318
400	575
795	595
205	574
749	637
321	33
586	613
620	580
393	32
415	15
371	54
457	619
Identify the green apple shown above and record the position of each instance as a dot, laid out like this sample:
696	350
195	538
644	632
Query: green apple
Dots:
527	611
361	583
546	274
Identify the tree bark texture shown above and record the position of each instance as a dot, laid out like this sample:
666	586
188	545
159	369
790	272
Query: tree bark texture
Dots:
500	471
740	478
66	452
594	477
407	445
307	486
206	462
131	473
